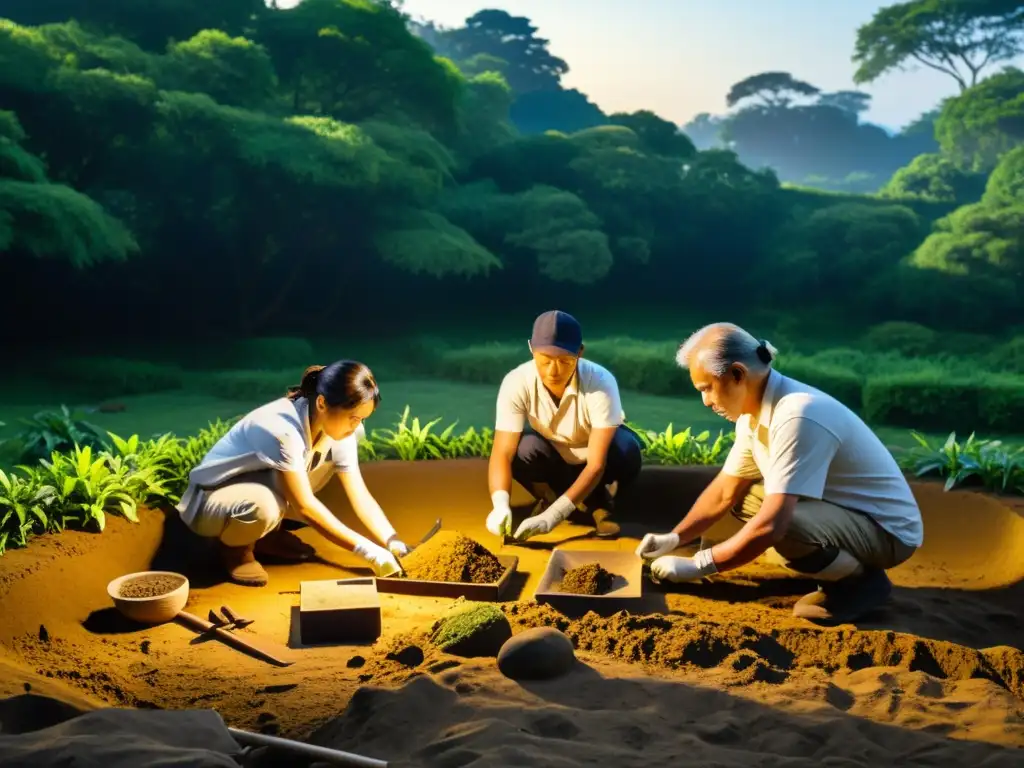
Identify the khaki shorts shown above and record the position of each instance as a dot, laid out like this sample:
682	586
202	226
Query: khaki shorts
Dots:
819	525
248	507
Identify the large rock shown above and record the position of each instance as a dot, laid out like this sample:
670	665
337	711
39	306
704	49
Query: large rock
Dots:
541	653
472	629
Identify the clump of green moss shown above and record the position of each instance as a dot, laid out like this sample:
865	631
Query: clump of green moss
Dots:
472	629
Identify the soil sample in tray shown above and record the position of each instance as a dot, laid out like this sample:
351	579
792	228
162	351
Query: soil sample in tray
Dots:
450	556
150	585
589	579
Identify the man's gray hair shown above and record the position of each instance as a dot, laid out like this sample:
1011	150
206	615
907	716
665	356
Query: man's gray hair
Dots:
722	345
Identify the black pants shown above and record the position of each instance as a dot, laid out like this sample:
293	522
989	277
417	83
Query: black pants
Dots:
537	461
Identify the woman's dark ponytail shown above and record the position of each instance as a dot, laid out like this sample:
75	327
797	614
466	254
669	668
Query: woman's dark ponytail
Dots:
345	384
308	386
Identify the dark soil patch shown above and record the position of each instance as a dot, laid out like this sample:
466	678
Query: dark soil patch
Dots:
590	579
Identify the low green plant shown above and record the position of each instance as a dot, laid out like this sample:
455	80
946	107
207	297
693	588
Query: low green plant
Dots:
24	507
88	487
50	431
683	448
81	486
989	463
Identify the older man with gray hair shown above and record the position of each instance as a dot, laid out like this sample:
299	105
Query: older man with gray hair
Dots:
806	476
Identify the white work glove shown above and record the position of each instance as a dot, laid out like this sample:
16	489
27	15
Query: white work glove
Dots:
656	544
396	546
499	521
381	560
677	569
558	511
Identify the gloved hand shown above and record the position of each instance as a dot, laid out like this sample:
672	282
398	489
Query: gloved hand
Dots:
397	547
677	569
380	559
656	544
499	521
558	511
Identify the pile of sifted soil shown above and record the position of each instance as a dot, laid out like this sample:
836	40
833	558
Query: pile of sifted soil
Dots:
589	579
450	556
152	585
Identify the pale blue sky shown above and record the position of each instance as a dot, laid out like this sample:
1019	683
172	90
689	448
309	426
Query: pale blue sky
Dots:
679	57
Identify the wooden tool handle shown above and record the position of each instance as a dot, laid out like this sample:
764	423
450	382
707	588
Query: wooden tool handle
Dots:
201	625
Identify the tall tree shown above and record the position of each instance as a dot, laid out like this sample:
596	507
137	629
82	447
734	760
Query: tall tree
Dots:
531	66
773	89
854	102
960	38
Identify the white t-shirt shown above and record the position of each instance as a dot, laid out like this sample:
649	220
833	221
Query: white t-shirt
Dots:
591	401
273	436
806	443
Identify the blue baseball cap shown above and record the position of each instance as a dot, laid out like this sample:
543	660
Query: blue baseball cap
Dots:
556	330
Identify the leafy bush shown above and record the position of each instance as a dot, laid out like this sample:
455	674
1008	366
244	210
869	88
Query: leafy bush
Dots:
103	377
1009	357
251	386
988	463
931	402
843	384
78	488
909	339
641	366
272	353
49	431
683	448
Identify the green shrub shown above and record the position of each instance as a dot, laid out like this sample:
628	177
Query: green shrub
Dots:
909	339
641	366
931	402
637	365
1008	357
49	431
106	377
842	383
478	363
250	386
272	353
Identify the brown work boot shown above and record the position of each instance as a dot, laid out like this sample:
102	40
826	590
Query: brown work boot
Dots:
604	526
242	566
846	600
284	545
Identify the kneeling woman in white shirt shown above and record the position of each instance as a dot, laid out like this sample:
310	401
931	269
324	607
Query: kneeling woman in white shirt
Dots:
270	465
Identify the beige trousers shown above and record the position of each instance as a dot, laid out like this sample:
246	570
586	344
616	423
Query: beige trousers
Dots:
820	529
245	509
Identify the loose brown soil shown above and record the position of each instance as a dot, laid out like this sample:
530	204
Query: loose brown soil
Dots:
590	579
450	556
153	585
935	680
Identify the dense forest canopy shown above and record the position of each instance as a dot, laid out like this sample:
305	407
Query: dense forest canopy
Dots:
247	168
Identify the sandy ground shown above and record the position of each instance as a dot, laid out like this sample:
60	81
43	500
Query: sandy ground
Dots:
719	673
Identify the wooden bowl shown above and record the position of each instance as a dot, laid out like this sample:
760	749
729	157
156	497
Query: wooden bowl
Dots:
150	610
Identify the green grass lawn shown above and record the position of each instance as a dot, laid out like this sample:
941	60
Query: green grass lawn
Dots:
186	411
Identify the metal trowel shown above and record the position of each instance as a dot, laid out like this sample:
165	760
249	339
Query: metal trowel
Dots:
429	535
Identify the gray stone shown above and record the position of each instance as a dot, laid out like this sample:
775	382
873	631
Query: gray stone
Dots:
540	653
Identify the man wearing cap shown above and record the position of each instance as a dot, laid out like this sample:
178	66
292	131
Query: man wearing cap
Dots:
806	476
560	433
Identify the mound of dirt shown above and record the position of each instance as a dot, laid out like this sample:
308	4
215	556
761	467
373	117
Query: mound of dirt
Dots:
450	556
589	579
